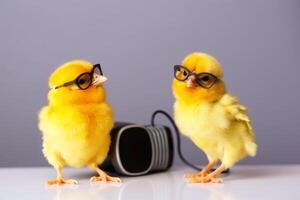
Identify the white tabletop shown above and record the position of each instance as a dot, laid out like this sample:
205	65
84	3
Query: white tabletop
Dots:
245	182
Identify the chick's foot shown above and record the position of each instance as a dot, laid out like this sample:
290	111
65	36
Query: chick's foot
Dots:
206	179
61	181
105	178
204	172
196	174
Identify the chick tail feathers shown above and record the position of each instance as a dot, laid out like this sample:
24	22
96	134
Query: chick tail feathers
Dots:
251	148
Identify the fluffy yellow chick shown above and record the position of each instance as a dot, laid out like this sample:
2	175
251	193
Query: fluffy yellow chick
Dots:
213	119
76	124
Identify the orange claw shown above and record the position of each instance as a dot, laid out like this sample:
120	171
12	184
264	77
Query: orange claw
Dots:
195	174
210	178
61	181
206	179
205	171
105	178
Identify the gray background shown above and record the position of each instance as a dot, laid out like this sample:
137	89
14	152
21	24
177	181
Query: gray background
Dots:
137	43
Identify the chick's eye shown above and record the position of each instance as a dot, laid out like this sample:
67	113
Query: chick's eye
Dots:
205	78
81	81
84	81
181	73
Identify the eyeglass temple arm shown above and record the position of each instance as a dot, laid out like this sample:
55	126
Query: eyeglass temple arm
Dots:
64	85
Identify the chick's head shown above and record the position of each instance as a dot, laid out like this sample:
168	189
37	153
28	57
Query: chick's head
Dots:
198	69
64	94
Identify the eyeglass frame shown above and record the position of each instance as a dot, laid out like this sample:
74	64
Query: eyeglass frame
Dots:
196	75
75	81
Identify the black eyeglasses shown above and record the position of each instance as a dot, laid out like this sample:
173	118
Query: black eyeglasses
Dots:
205	80
84	80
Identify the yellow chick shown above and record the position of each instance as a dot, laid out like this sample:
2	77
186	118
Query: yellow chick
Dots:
76	124
213	119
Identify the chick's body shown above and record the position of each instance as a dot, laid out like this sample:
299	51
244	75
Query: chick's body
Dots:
213	119
76	124
76	135
216	129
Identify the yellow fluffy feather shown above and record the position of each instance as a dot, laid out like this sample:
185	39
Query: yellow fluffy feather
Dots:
76	124
213	119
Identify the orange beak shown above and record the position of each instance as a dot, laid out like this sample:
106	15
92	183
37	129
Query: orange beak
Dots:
191	82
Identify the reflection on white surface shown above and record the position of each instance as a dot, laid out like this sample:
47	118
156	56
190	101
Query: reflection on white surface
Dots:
244	183
156	186
69	193
139	189
160	186
206	191
217	192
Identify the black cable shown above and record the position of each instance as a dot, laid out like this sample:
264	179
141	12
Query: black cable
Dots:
177	134
177	137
